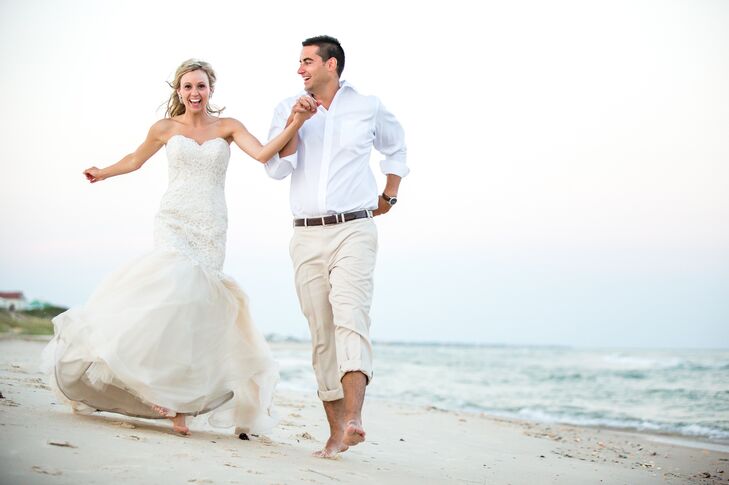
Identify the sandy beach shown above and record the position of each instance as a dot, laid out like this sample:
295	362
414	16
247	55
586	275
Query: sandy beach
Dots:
45	443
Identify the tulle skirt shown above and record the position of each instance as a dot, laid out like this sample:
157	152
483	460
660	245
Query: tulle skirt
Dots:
165	331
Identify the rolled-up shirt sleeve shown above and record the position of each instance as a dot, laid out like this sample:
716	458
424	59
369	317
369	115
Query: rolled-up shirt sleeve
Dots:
390	141
280	167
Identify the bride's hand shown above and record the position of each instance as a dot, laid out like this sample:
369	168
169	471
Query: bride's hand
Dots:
302	115
306	103
93	174
304	108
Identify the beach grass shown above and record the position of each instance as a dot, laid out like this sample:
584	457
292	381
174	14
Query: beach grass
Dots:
32	322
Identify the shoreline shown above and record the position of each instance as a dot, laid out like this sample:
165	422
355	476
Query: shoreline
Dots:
659	436
667	437
47	444
662	431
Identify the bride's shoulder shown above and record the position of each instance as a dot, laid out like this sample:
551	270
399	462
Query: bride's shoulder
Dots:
230	125
164	125
170	122
228	121
163	128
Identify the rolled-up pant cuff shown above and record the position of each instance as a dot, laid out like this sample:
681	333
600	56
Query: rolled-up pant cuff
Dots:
333	395
354	366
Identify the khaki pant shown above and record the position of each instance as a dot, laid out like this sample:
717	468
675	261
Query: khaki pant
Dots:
333	271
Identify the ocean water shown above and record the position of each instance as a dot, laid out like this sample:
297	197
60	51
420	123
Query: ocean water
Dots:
683	392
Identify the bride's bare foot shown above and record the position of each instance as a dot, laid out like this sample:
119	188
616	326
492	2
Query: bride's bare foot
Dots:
178	420
178	424
354	433
164	412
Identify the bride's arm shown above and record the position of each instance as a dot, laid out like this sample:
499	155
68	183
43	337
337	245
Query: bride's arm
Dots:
133	161
263	153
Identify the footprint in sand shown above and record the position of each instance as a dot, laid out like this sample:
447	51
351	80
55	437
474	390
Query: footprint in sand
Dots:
37	384
124	424
18	369
131	437
45	471
62	444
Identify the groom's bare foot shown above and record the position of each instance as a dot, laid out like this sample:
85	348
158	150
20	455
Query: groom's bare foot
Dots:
178	420
334	446
354	433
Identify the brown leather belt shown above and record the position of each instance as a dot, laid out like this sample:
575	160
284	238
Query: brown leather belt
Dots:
332	219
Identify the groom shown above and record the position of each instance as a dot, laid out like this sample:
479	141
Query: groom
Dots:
333	198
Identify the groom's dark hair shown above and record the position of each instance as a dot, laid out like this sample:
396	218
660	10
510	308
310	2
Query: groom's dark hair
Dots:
328	47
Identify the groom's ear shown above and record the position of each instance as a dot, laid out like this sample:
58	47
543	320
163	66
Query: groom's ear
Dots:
332	63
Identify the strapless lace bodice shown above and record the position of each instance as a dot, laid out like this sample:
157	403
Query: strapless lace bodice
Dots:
192	218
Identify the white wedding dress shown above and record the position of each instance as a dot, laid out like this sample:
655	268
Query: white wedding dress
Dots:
169	329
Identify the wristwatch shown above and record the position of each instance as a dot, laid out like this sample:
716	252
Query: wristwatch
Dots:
390	200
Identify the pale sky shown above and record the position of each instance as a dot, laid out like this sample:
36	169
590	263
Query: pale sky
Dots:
570	160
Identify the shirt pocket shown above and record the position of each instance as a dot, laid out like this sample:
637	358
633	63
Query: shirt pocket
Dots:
355	134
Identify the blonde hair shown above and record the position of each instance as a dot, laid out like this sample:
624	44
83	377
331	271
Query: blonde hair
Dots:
174	106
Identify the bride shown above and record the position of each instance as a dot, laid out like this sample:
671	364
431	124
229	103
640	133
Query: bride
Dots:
169	335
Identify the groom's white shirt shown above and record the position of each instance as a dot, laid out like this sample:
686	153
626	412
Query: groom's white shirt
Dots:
330	172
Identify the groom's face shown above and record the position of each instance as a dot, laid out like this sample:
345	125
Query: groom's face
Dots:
312	68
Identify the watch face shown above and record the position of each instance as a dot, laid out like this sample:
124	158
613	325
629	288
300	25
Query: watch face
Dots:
393	200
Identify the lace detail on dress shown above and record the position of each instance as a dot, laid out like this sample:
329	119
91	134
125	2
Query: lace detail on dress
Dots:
192	218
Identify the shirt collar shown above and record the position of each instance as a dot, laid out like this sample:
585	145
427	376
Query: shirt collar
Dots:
342	85
345	84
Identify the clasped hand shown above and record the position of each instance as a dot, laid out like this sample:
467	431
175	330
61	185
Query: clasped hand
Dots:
305	107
